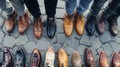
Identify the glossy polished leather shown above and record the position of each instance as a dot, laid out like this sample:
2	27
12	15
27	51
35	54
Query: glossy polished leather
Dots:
20	58
116	60
89	58
7	58
90	24
35	59
51	27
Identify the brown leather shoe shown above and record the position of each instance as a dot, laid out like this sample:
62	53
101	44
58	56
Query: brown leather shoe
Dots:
35	59
38	28
10	22
79	24
68	24
7	58
101	23
76	59
62	58
116	60
89	58
23	23
103	59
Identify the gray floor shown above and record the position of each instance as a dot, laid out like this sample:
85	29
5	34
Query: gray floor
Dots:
97	43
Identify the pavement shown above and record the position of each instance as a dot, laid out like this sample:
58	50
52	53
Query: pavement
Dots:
97	42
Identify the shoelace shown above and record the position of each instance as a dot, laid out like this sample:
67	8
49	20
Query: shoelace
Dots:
18	64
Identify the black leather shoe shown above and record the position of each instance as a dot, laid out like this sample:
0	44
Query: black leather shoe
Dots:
51	27
90	24
20	58
113	27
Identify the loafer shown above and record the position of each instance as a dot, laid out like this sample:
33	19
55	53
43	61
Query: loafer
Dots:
76	59
89	58
7	58
79	24
68	24
20	58
51	27
90	24
101	23
103	59
10	22
116	60
23	23
36	58
38	28
62	58
50	57
113	27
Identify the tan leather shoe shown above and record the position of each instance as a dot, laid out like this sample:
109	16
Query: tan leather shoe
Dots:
38	28
76	59
68	24
89	58
23	23
10	22
62	58
36	58
79	24
103	59
116	60
50	57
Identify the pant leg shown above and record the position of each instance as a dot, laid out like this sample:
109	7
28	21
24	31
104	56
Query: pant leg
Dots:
83	6
113	8
50	7
33	7
97	5
19	7
6	6
70	6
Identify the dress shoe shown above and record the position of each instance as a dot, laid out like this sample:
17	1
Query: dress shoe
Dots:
20	58
113	25
68	24
38	28
103	59
89	58
51	27
79	24
23	23
10	22
62	58
50	57
35	59
101	23
116	60
76	59
7	58
90	24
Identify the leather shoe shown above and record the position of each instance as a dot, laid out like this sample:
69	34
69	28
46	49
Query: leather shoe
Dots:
50	57
62	58
103	59
51	27
35	59
113	25
38	28
68	24
116	60
20	58
7	58
79	24
90	24
76	59
101	23
10	22
89	58
23	23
